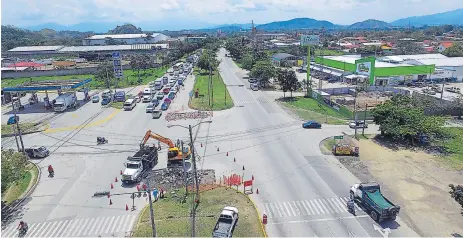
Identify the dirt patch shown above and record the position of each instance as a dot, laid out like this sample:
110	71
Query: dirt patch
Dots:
414	180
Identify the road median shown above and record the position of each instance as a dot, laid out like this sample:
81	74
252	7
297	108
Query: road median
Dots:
172	217
215	98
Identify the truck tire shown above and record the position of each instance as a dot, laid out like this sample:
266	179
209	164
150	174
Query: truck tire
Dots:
374	215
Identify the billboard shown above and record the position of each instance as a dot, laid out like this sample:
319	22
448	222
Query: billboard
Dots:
310	39
364	68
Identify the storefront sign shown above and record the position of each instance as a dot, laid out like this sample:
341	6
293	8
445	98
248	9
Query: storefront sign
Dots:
310	39
364	68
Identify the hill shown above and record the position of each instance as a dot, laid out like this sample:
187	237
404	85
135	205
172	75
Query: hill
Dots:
370	24
296	23
125	29
454	17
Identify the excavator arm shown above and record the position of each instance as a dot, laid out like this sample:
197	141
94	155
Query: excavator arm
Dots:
149	134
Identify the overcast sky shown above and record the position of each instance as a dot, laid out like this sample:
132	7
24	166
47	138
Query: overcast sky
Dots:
185	13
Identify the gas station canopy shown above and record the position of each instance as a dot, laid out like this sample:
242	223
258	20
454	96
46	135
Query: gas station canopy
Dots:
33	86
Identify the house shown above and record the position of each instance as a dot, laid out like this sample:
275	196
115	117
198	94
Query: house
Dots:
444	45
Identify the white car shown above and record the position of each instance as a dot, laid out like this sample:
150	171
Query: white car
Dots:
150	107
360	124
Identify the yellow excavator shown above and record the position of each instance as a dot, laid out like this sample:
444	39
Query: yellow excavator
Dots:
174	154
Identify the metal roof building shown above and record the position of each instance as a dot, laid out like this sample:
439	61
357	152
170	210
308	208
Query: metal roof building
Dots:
130	39
103	48
279	58
48	85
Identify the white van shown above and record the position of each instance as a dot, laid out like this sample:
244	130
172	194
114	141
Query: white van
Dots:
147	95
130	104
158	84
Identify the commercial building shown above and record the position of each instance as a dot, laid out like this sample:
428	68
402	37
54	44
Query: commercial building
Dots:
285	59
384	73
129	39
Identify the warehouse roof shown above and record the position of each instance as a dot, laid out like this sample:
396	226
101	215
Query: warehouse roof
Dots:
36	48
281	56
119	36
451	62
352	59
414	57
91	48
48	85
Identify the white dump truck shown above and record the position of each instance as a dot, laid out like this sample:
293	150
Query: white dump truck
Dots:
65	101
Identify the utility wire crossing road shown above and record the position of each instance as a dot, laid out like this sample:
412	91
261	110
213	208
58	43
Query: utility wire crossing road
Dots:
90	227
311	207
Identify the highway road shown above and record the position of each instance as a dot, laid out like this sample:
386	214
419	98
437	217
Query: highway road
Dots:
63	205
302	191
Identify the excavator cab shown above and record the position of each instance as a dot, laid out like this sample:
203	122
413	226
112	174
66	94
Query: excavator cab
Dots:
172	153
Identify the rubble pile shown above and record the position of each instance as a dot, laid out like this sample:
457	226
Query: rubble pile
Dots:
173	178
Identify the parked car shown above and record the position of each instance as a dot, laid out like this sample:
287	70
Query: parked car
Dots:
156	114
360	124
95	98
311	124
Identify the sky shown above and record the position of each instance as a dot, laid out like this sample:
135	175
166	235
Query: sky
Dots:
184	14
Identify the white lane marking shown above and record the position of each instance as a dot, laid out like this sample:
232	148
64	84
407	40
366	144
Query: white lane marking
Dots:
45	230
63	228
292	209
77	227
334	205
341	204
283	214
287	209
101	226
116	222
123	220
32	234
305	207
53	229
69	228
299	207
90	225
91	231
130	223
319	206
82	227
325	205
309	205
9	231
32	228
268	212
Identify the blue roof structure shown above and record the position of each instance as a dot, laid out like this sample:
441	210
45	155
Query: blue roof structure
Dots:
48	85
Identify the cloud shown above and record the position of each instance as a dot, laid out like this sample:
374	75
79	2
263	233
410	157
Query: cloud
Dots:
68	12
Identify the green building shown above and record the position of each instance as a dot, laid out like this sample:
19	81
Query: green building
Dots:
378	73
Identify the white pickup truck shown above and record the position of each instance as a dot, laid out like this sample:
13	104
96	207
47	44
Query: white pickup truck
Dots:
227	222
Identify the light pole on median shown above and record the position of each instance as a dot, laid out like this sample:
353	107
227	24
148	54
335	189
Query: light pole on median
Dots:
190	128
230	85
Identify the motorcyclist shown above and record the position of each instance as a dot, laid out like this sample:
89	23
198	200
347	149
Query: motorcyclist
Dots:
22	227
351	206
50	170
100	139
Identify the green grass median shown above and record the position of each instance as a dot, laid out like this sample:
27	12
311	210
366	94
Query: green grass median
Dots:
25	127
14	191
219	96
172	218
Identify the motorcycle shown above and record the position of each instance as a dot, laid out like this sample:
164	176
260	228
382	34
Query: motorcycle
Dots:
101	140
22	231
351	207
51	174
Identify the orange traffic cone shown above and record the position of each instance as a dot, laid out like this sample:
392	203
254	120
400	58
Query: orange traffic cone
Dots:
126	207
253	177
110	202
112	186
138	188
121	172
109	195
115	180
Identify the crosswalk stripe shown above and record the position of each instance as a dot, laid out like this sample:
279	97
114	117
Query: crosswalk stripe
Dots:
91	224
103	224
70	227
130	224
267	210
324	206
319	206
309	205
91	230
330	206
63	228
109	225
115	224
40	226
52	229
280	208
45	229
344	203
123	220
314	206
33	227
341	205
292	209
81	227
76	227
277	209
287	209
309	211
338	205
8	230
299	208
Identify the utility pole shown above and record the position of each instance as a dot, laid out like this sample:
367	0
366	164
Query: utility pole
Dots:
209	85
153	226
14	129
364	119
193	223
355	112
17	126
184	172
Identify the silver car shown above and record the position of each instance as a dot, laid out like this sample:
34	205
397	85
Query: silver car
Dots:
150	107
156	114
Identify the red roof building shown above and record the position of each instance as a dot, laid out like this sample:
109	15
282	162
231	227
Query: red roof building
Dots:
26	64
444	45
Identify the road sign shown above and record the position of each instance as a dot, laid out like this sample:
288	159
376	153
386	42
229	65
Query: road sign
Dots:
310	39
339	137
116	55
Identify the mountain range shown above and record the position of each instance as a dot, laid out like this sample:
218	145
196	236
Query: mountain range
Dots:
454	17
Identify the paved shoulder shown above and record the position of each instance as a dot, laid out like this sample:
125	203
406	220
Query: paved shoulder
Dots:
79	227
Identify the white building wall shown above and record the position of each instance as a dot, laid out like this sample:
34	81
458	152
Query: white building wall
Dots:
128	41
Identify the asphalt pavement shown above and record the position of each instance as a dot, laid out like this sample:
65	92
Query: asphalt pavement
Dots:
64	205
302	191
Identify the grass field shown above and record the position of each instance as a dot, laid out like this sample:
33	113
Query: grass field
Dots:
16	190
26	126
453	145
173	219
312	109
130	78
221	98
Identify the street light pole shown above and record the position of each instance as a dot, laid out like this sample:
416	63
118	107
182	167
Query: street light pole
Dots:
153	226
